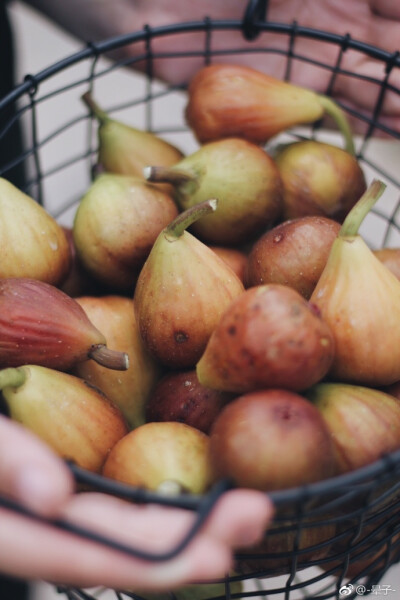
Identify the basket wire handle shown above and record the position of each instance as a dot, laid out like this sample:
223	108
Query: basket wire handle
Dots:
256	11
204	509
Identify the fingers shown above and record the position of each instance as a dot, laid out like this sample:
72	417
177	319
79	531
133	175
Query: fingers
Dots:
30	472
34	551
239	518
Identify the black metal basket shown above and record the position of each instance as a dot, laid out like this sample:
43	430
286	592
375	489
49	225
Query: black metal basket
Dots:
341	532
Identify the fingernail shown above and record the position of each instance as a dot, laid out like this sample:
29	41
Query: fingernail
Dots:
34	488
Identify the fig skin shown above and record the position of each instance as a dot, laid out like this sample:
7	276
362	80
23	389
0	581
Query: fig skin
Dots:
158	453
271	440
390	257
236	100
244	179
182	290
114	316
293	253
180	397
236	259
318	179
71	416
32	243
351	413
40	324
116	225
269	336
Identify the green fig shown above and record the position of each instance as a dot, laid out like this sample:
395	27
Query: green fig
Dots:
32	243
115	226
243	178
127	150
181	292
198	591
40	324
364	423
359	298
318	179
71	416
114	316
169	457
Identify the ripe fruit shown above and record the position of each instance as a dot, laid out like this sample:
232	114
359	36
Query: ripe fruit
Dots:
269	336
271	440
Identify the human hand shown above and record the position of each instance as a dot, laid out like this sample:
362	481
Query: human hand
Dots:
31	474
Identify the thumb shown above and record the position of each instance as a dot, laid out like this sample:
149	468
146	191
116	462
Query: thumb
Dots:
30	472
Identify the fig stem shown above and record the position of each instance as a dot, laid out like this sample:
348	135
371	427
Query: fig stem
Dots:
177	227
170	175
355	217
333	110
111	359
12	377
99	113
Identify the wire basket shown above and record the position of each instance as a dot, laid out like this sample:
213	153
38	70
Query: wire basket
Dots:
340	535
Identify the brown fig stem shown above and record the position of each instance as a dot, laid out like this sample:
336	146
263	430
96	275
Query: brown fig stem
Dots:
12	377
111	359
176	228
174	176
99	113
352	222
333	110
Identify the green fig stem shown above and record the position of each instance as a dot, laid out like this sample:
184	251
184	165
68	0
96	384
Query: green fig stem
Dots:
12	377
99	113
333	110
170	487
111	359
355	217
174	176
177	227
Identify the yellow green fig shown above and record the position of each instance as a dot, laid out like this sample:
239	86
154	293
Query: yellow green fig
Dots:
71	416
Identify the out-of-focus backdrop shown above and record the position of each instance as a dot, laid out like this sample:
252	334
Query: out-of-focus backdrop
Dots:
39	43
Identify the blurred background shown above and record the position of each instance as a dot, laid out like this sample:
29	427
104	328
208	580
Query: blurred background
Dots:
39	43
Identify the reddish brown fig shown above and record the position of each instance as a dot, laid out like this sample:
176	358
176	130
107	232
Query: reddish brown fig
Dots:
227	100
390	257
293	253
269	336
181	397
271	440
236	259
40	324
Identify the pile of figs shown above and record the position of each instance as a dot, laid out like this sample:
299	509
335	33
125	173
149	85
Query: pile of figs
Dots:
207	316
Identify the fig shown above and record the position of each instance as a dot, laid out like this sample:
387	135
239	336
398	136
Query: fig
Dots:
390	257
40	324
78	281
116	225
236	259
33	244
271	440
228	100
293	253
115	318
269	336
243	178
351	413
181	292
74	418
318	179
168	457
359	298
203	591
127	150
179	396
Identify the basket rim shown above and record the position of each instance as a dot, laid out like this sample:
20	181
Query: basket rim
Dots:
94	49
